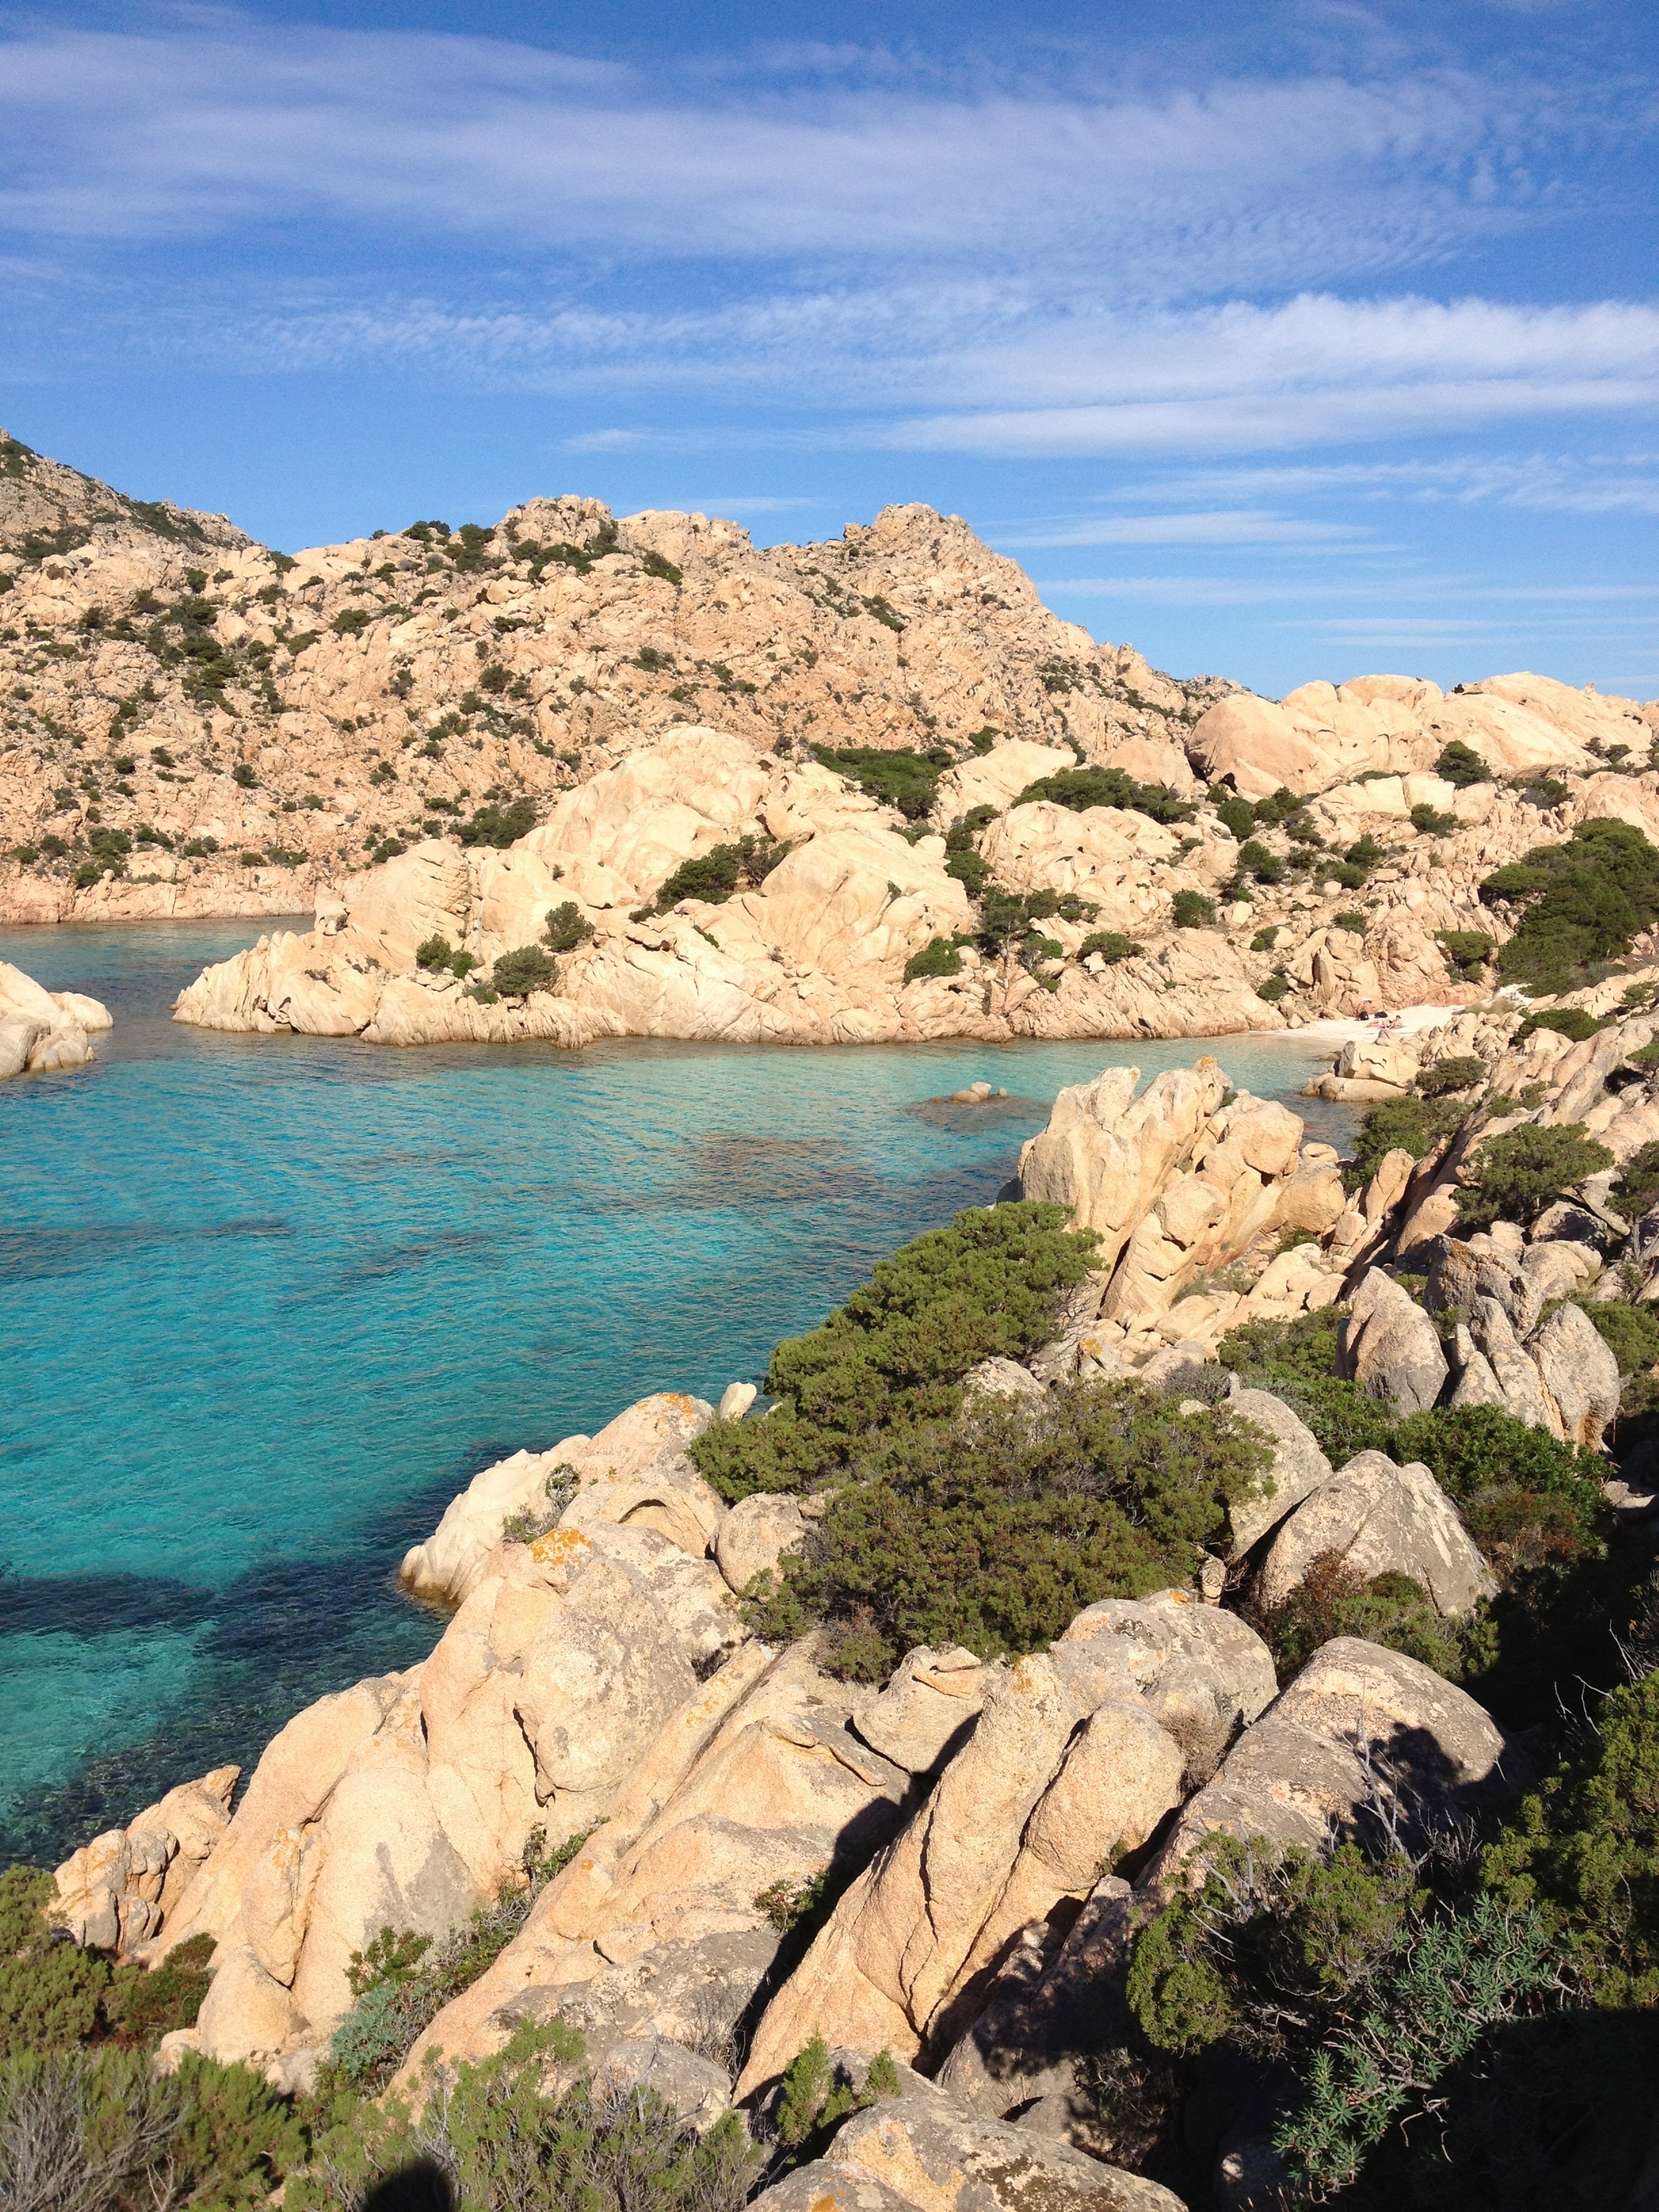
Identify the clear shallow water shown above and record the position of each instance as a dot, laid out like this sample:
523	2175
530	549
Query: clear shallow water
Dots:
266	1303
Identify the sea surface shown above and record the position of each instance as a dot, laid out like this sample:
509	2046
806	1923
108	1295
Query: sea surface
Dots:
267	1302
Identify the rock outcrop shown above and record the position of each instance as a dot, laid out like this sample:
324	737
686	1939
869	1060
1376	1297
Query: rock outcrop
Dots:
1088	1741
42	1030
1379	1518
1179	1182
1363	1743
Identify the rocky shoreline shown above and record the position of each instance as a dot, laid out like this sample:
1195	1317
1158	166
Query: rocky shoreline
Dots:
600	1689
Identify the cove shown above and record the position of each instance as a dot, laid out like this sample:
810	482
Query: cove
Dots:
267	1304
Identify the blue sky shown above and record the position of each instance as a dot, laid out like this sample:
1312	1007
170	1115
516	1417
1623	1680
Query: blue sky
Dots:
1283	340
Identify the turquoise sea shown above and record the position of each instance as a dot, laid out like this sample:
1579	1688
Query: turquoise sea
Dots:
266	1303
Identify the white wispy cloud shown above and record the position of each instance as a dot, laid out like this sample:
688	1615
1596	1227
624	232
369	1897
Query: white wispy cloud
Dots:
216	122
1223	527
1563	484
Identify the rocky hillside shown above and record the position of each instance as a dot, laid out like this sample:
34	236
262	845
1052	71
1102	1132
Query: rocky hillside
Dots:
254	725
1099	1734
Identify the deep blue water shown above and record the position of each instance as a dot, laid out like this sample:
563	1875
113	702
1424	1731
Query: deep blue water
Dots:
266	1303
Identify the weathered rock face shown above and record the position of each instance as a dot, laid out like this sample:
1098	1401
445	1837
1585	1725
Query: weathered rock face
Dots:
405	1801
1082	1742
1321	735
115	1892
1362	1736
633	1473
927	2151
755	1784
1298	1466
1556	1374
348	662
754	1536
42	1031
1390	1346
1380	1518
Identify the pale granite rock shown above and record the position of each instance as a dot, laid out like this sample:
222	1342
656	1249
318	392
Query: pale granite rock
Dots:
1379	1518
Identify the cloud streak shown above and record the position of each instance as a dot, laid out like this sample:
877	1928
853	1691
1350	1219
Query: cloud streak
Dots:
224	123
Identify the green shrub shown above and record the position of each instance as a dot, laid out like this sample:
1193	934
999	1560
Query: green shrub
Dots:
1410	1125
994	1530
1254	859
900	777
1461	765
146	2003
787	1903
1331	1600
1467	951
1265	940
1007	920
198	848
435	952
939	956
714	876
1583	1852
1080	788
1273	990
658	564
1525	1496
1583	902
1460	1072
243	774
97	2130
50	1993
350	621
1271	1950
1448	1982
1366	853
1353	923
1428	822
498	825
403	1981
896	1353
567	927
1631	1332
1111	945
1515	1175
1192	910
1636	1188
1566	1021
814	2098
1238	816
497	2139
527	968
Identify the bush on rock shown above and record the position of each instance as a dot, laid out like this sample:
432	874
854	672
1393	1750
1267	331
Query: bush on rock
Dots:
1582	902
1517	1175
994	1530
895	1354
516	974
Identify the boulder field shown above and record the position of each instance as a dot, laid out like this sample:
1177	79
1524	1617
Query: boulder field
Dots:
595	1702
42	1031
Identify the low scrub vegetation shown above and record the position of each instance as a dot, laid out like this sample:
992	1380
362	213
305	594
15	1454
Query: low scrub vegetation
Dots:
1080	788
1581	903
894	1356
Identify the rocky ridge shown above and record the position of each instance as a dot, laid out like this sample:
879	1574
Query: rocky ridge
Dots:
596	1688
285	715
